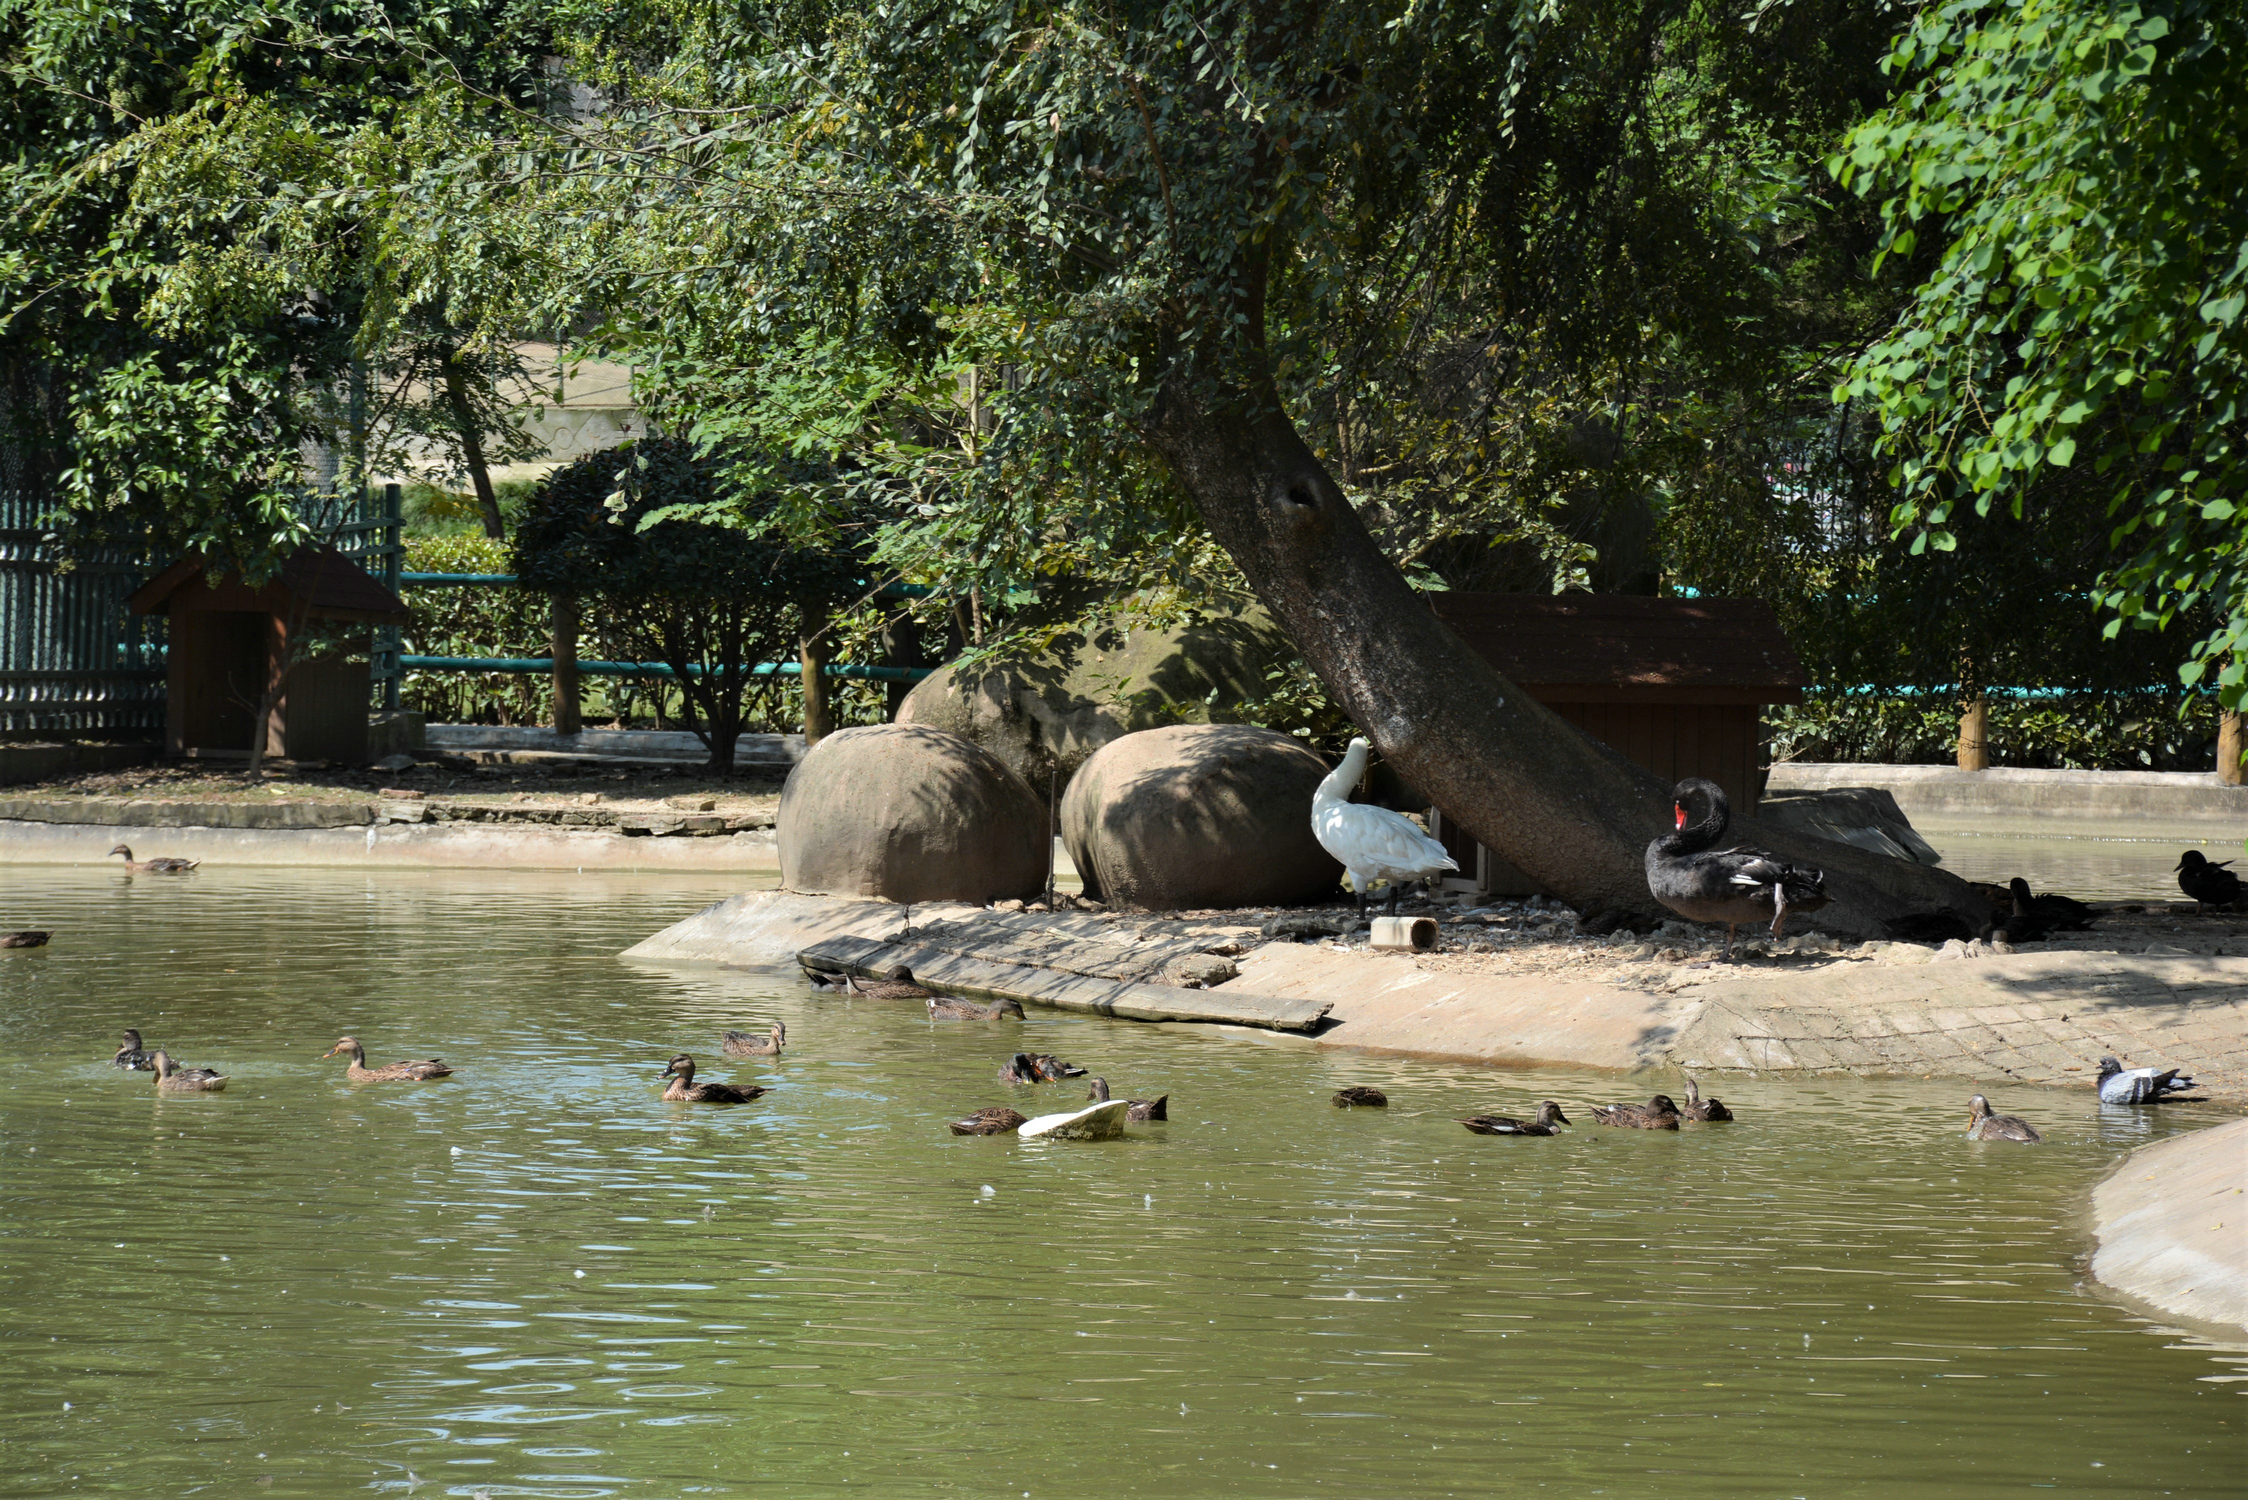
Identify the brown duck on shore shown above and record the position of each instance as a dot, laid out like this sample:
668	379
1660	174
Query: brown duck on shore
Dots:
27	939
1982	1125
1707	1110
161	865
949	1008
417	1070
1658	1113
1357	1096
1137	1110
1549	1116
750	1044
684	1090
997	1120
171	1078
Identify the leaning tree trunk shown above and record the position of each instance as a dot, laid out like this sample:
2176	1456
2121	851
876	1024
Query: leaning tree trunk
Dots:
1566	810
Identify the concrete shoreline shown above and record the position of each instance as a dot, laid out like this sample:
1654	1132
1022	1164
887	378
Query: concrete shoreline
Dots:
2020	1019
364	844
2172	1226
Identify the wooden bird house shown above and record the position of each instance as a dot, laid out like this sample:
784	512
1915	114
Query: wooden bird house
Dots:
285	648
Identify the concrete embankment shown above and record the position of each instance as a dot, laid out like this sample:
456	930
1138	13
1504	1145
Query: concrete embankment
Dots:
2030	1018
2172	1225
295	835
2131	800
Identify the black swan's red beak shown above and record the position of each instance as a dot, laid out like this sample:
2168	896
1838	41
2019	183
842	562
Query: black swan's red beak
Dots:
1680	809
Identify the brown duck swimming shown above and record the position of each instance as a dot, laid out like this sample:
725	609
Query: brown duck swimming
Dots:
133	1055
1549	1116
24	939
1698	1108
161	865
681	1071
1359	1097
171	1078
1140	1110
750	1044
948	1008
997	1120
417	1070
1658	1113
1982	1125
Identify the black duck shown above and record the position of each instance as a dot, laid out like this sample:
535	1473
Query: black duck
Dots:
681	1071
25	939
1548	1118
1709	1111
1138	1110
1358	1096
2211	884
2058	913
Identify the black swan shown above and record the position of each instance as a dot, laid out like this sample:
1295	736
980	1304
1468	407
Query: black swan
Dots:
1725	885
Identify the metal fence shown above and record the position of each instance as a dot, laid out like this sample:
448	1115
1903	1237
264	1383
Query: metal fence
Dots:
73	660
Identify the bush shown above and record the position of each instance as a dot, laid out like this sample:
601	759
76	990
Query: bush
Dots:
2091	731
711	598
474	620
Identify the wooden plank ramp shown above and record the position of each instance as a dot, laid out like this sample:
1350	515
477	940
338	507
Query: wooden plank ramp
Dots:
954	973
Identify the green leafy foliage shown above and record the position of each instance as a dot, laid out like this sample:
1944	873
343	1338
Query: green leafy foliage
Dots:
2112	731
451	620
2084	166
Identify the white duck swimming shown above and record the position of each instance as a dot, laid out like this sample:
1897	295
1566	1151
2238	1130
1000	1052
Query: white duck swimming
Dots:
1373	843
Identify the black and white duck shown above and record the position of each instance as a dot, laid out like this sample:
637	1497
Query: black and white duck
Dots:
1549	1116
750	1044
1731	886
1709	1111
2212	883
1140	1110
1037	1067
1658	1113
1982	1125
997	1120
134	1055
684	1090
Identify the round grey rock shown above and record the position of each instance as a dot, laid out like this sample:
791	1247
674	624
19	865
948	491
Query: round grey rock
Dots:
903	813
1198	816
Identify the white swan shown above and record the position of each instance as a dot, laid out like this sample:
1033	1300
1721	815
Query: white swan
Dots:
1373	843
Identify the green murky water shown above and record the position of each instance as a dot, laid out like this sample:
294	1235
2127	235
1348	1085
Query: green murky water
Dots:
539	1279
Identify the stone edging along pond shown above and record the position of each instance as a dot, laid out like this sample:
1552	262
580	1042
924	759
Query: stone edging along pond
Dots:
149	812
2172	1224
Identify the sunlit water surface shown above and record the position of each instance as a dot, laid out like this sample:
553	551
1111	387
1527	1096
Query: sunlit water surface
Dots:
537	1278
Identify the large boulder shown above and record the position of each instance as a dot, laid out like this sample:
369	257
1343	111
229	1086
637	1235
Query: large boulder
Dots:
1198	816
904	813
1046	714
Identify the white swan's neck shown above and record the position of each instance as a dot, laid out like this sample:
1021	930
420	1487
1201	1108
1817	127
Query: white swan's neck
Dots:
1337	786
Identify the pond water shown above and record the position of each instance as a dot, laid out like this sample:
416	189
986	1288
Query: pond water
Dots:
537	1278
2099	866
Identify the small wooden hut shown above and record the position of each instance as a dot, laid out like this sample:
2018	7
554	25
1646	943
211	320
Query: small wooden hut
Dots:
231	645
1678	685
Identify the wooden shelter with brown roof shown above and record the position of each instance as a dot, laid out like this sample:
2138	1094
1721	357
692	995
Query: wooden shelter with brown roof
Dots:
232	644
1678	685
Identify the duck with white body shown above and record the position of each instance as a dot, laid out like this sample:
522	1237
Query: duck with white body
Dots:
1373	843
